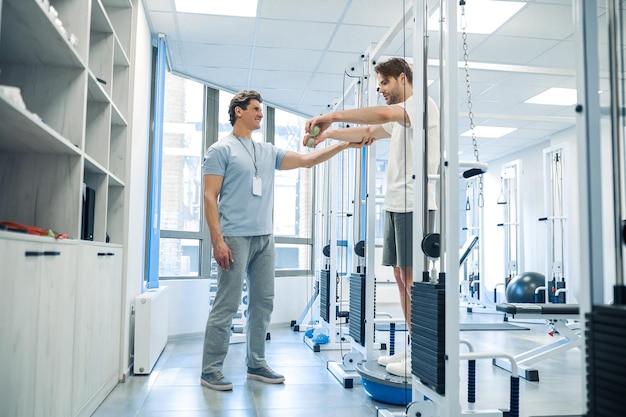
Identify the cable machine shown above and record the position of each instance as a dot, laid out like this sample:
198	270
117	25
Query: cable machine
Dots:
470	260
333	218
605	322
555	225
435	302
358	343
509	200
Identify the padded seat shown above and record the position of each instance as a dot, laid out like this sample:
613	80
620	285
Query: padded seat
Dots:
543	309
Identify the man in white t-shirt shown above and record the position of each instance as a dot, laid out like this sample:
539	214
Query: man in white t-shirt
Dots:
395	83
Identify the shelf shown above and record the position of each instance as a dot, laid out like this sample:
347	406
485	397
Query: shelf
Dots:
120	89
117	119
126	4
35	39
120	58
96	91
93	167
98	131
56	94
120	13
117	154
99	20
98	182
41	190
115	213
115	181
121	80
101	46
22	131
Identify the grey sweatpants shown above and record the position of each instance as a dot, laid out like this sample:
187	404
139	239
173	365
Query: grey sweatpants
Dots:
254	259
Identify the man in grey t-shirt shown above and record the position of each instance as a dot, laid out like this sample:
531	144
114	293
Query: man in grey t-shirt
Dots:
238	201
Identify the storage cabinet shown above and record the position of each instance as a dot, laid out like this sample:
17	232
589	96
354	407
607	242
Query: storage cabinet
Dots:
97	326
36	326
18	328
60	325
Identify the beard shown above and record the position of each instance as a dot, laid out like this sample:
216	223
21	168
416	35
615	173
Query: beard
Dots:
392	99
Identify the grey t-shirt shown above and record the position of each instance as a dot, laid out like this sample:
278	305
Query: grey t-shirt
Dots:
241	212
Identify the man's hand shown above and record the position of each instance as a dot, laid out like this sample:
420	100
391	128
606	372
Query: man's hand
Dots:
321	137
322	124
367	140
223	255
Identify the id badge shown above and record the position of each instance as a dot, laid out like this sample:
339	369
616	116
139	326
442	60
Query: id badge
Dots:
257	185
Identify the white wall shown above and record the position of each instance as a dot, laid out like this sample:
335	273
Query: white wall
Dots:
188	306
189	303
531	200
136	189
535	244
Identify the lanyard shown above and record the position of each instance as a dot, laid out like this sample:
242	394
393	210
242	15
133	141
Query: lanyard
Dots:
252	155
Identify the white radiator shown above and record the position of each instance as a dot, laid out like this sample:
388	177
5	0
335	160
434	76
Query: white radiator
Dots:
151	328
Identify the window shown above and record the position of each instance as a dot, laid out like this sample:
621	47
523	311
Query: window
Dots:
182	221
194	117
293	199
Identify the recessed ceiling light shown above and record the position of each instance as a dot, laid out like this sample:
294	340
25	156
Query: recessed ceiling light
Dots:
555	96
241	8
490	132
481	16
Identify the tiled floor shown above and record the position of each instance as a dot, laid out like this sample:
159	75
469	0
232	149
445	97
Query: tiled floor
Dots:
173	388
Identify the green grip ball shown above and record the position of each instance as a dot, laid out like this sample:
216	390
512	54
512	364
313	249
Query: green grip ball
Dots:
315	131
310	142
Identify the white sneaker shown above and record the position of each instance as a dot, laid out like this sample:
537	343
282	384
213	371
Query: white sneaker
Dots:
395	358
402	368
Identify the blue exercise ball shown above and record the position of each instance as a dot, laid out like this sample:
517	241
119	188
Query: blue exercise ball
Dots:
521	289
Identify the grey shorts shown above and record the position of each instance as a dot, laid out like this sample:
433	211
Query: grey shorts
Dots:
398	239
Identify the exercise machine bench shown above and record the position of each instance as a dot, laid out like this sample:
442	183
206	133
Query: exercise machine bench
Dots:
558	315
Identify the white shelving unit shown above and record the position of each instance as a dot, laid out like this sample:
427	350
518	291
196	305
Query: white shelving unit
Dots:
74	127
65	98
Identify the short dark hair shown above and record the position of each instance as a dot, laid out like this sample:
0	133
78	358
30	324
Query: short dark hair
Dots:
242	99
393	67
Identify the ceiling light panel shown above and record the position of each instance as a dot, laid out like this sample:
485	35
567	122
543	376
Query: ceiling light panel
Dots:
241	8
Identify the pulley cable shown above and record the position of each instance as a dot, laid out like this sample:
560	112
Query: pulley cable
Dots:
470	111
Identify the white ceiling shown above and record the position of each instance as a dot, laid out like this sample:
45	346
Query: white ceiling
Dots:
296	53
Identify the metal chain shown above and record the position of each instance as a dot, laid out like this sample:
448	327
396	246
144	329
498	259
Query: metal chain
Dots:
470	111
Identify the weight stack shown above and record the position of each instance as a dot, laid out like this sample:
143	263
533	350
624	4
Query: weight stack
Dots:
357	308
428	327
606	362
325	295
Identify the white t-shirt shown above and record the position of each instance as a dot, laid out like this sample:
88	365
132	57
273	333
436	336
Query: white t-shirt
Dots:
399	195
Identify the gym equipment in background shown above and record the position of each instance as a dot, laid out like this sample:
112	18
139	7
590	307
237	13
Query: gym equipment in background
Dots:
555	220
561	318
509	200
470	261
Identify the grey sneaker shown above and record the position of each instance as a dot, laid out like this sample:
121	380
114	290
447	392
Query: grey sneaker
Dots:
265	375
217	381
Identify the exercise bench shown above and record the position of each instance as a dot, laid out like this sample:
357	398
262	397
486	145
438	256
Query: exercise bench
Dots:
558	315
